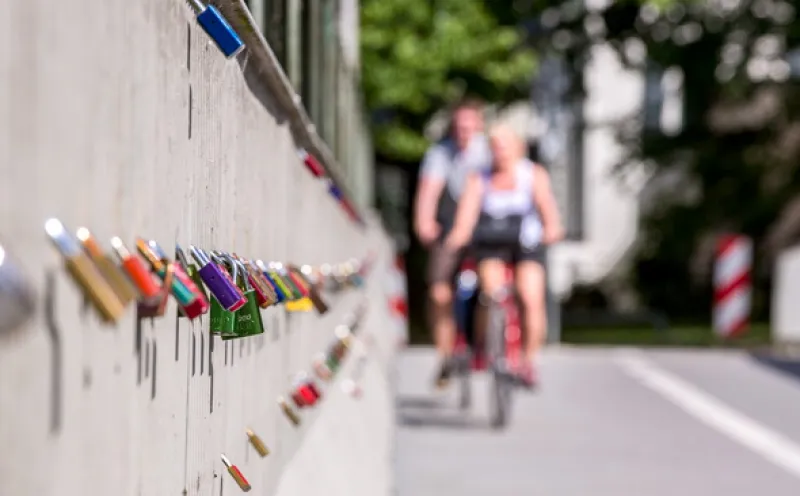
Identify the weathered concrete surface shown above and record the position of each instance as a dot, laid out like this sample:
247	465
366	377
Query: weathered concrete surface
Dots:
785	318
123	117
593	429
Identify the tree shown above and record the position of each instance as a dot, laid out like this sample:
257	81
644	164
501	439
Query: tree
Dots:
420	55
738	143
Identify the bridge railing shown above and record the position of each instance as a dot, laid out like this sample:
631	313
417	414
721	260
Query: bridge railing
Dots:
126	119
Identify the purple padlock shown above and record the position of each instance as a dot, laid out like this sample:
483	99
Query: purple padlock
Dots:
218	282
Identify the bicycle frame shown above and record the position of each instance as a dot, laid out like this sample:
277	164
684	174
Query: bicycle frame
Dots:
465	304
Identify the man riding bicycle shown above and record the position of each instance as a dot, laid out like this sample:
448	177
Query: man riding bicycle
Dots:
443	173
508	213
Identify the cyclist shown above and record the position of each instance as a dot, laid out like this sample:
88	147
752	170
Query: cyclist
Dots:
443	172
509	213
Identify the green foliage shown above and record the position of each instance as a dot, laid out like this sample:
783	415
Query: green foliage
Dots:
419	55
742	161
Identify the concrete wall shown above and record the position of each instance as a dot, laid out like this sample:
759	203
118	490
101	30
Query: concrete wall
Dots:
785	318
121	116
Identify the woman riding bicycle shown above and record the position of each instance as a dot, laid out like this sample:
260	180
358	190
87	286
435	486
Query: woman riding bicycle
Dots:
509	214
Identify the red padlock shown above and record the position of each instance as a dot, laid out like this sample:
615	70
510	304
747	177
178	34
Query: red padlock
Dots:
200	305
298	399
314	389
307	393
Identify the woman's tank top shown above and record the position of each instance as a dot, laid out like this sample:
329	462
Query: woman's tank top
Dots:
517	202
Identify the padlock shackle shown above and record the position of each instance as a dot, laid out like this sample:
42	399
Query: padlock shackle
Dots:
216	258
199	255
181	256
66	244
156	249
197	6
229	262
146	252
243	274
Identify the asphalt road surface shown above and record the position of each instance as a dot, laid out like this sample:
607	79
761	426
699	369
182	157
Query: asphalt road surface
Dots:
606	422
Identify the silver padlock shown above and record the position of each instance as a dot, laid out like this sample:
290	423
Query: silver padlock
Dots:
17	300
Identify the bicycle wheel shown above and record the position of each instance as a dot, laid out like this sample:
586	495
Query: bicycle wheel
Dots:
500	396
465	382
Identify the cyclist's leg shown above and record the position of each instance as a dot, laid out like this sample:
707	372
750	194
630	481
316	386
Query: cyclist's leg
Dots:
530	282
491	276
442	265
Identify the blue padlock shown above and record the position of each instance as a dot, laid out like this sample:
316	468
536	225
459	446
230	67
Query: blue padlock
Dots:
335	191
213	23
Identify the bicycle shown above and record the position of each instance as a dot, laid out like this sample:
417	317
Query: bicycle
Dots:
502	338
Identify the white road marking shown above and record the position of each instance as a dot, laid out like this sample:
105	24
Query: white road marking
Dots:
770	444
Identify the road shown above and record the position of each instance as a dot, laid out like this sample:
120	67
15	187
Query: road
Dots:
607	422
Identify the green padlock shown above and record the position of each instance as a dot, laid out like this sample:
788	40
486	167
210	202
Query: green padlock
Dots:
248	318
222	321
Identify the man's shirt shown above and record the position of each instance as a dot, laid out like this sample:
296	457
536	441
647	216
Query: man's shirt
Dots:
445	161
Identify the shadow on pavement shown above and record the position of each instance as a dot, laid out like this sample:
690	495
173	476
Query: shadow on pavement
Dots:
432	412
423	402
787	365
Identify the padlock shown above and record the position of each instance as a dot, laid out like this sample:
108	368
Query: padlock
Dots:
280	295
304	392
157	306
297	280
301	301
112	272
321	368
218	281
17	302
356	272
278	283
237	475
187	300
192	271
136	270
343	336
333	358
84	272
299	399
248	318
218	258
265	293
314	389
200	304
288	411
311	274
325	275
303	397
221	321
257	443
218	28
357	317
281	274
311	291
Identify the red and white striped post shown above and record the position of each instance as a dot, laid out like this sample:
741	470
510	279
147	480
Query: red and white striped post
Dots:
732	285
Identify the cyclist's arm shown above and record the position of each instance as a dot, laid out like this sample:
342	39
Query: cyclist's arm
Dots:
468	212
546	203
433	175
